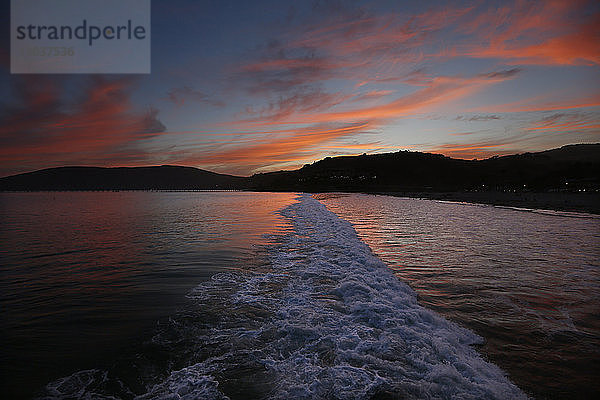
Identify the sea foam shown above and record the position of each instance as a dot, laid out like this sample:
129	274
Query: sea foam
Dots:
336	323
326	320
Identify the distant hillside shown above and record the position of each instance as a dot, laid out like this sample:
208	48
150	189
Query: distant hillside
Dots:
122	178
569	168
554	170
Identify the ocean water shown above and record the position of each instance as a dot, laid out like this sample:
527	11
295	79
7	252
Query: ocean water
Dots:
86	276
214	295
528	281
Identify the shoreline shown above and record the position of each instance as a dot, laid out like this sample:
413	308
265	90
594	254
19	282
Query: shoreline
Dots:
588	202
583	202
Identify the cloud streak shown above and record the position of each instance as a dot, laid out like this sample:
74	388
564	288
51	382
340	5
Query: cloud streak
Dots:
544	33
481	149
565	122
180	95
328	75
364	49
101	124
300	144
282	148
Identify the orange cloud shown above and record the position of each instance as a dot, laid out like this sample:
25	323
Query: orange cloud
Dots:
545	33
359	146
287	79
579	48
441	90
567	123
363	49
386	36
472	151
388	49
45	130
547	132
567	127
300	145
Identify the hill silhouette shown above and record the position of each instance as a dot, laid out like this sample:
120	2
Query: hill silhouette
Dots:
166	177
570	168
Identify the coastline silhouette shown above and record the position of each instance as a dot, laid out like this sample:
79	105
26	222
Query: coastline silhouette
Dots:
567	178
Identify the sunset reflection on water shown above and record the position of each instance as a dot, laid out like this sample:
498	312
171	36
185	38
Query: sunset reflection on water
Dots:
84	273
529	282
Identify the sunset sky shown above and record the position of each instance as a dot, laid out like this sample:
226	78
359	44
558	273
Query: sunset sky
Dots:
251	86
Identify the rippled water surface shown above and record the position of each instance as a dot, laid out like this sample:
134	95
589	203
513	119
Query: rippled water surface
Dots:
227	295
528	282
84	275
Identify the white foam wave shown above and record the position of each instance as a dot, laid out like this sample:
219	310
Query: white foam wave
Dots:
328	321
336	323
86	385
190	383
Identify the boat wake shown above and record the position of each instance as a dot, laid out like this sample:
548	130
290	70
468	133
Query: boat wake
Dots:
325	319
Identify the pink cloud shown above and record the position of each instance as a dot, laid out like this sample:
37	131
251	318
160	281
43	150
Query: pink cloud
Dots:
294	145
102	125
544	33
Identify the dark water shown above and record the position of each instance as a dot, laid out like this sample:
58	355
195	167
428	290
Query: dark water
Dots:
153	295
528	282
85	275
318	317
